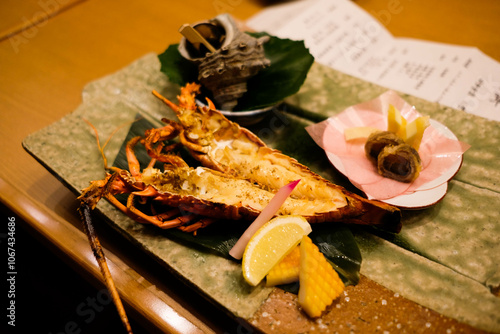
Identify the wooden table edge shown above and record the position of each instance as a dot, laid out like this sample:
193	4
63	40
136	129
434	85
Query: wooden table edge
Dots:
162	312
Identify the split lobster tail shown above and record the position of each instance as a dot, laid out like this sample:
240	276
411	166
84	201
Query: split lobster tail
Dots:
222	145
375	213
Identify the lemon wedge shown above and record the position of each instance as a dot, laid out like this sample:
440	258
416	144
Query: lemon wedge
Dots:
270	244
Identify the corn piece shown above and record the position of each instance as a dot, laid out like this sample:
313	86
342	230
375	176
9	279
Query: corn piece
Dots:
320	284
286	271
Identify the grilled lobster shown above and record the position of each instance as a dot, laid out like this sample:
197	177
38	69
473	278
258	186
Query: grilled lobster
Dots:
240	176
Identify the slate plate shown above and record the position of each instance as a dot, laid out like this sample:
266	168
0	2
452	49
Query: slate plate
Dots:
447	257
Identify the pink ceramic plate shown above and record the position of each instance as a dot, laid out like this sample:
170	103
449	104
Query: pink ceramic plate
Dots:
426	195
440	151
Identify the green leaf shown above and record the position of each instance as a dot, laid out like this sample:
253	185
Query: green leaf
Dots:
217	238
290	63
334	240
178	69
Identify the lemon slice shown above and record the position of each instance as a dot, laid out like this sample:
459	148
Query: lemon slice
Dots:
270	244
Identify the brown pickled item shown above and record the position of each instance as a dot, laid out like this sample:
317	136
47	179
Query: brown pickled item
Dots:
401	163
377	141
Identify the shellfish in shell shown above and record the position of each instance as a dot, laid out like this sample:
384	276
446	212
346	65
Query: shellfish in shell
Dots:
237	57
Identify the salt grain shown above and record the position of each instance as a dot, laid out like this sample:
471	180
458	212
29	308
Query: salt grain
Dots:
384	302
321	325
428	325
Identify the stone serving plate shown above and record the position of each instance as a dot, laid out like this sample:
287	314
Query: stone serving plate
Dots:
447	257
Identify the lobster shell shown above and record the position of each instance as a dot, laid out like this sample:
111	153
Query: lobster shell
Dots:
223	145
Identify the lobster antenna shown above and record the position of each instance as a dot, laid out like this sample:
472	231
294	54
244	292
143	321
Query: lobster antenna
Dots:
101	149
171	105
85	212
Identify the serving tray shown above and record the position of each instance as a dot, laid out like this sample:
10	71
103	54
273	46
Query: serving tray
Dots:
446	258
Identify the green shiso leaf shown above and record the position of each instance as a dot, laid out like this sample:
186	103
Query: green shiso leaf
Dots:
290	63
334	240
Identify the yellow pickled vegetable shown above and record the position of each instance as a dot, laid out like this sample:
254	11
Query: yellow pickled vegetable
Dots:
396	122
320	284
415	131
286	271
361	132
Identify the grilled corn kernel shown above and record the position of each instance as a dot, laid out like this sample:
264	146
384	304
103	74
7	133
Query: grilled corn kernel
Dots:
286	271
319	282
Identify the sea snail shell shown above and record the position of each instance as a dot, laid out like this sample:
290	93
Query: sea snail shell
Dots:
237	58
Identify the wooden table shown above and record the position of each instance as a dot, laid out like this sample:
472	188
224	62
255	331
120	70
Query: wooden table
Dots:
50	49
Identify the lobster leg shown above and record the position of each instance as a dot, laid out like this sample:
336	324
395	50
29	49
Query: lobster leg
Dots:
190	145
156	220
133	164
156	153
204	222
157	136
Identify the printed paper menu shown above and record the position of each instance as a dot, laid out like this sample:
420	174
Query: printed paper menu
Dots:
343	36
